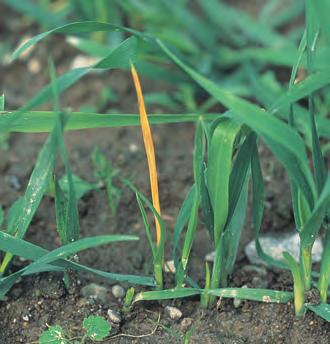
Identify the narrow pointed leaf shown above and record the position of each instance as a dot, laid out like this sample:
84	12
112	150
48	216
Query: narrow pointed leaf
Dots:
149	148
43	121
281	139
322	310
218	172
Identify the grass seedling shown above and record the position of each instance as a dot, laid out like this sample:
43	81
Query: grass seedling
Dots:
309	219
190	207
220	190
128	300
22	211
231	151
105	172
150	152
4	136
312	197
149	148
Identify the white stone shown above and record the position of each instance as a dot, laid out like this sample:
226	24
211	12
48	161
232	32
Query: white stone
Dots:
185	324
81	61
173	312
25	318
237	302
210	257
169	266
118	291
34	66
95	292
114	316
275	244
133	148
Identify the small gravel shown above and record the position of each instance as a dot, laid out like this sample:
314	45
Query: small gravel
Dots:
275	245
173	312
95	293
114	316
118	291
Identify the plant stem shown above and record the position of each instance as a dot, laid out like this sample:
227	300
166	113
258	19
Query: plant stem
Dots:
223	278
158	270
306	266
5	262
324	279
298	285
217	270
299	295
205	297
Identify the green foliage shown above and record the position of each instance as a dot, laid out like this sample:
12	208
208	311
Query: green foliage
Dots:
2	215
4	137
226	153
55	260
105	172
81	186
322	310
128	300
261	295
192	221
54	334
157	250
281	139
96	327
36	188
43	121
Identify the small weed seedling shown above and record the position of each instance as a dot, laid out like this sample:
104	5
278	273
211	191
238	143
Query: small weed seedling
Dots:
96	329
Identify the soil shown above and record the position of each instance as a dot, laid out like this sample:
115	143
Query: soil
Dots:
39	300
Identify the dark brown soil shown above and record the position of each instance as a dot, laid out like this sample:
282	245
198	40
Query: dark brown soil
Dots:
44	300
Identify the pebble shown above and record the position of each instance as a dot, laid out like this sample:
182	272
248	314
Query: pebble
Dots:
169	266
185	324
95	292
81	61
25	318
34	66
210	257
173	312
118	291
114	316
14	182
133	148
275	244
237	302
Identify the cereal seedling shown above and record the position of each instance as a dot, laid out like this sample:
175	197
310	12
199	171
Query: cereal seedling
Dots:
158	251
128	300
105	172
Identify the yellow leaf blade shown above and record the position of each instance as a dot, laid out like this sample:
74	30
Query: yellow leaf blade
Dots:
149	148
